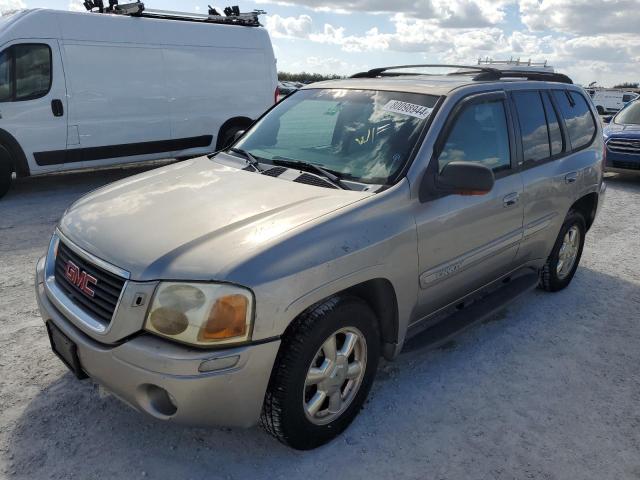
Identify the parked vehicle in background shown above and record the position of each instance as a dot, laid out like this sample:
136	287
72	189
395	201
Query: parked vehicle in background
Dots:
610	100
622	139
287	88
354	215
87	90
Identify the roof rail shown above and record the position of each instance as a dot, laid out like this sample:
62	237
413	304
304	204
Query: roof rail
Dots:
232	15
380	72
480	73
525	74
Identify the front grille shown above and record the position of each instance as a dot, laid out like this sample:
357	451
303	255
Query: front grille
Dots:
107	288
313	180
624	145
625	165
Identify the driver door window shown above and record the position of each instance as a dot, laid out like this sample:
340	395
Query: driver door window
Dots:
479	134
25	72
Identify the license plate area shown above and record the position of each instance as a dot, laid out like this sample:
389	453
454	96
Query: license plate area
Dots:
65	349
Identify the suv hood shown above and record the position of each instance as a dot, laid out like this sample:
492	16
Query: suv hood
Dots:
627	130
193	220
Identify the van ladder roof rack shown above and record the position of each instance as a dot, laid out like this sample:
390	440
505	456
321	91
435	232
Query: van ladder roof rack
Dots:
480	73
232	15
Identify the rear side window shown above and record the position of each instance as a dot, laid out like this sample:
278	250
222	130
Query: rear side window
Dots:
25	72
480	134
555	134
577	117
533	126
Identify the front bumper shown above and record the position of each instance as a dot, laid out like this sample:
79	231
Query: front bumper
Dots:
622	162
147	372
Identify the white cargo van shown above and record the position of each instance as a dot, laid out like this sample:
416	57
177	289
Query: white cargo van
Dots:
88	90
610	100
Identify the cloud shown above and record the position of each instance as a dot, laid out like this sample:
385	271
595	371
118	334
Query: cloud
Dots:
289	27
449	13
11	5
76	6
581	16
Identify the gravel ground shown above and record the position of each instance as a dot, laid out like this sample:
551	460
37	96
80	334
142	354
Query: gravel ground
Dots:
547	389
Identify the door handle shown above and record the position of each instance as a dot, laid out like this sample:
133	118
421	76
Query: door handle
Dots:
57	108
511	199
571	177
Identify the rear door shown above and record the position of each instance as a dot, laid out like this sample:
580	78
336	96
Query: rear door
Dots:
465	242
33	101
556	128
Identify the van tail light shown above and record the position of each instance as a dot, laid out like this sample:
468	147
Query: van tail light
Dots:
277	94
604	157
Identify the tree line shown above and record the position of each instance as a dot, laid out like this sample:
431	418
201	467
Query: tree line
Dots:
305	77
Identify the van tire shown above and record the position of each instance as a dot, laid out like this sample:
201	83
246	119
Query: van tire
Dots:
283	413
600	110
229	130
6	171
550	279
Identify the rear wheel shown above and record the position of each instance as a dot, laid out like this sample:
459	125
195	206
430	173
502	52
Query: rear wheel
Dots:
563	262
323	373
600	110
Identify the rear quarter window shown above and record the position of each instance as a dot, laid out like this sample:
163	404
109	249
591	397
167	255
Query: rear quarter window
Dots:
577	116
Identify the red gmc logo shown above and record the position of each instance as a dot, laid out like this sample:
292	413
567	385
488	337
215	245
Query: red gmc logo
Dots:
80	278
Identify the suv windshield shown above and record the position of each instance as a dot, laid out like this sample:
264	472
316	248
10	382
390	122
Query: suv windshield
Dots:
360	135
629	115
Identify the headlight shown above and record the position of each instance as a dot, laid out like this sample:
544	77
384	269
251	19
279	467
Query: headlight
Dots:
201	313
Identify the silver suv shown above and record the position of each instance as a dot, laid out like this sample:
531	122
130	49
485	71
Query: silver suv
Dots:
263	283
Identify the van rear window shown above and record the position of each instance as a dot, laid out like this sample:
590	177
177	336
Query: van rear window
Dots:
577	116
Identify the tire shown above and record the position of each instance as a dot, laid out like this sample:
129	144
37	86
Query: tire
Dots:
284	413
600	110
226	137
553	277
6	172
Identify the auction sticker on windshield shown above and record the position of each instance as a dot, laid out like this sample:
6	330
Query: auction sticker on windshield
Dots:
405	108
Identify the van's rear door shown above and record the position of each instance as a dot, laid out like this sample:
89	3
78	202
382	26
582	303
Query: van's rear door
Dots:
33	103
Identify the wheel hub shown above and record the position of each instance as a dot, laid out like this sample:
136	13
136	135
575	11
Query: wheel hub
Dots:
335	376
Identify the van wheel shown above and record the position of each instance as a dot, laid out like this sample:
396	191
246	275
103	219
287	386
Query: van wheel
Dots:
323	373
6	171
600	110
226	137
563	262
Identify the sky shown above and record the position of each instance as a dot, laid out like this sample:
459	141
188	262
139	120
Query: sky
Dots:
590	40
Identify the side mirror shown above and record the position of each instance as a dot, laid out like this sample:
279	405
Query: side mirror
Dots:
607	119
465	178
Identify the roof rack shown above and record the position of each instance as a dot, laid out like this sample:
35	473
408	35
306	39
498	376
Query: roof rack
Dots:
512	61
232	15
384	71
480	73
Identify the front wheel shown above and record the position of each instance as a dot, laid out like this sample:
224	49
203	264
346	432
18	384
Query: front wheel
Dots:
563	262
323	373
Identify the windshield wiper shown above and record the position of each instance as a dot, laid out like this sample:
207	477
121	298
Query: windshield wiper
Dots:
251	160
310	167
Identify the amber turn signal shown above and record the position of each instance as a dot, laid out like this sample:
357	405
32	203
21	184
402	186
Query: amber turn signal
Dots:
227	319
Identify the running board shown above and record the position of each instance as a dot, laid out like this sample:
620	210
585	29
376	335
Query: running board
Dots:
466	317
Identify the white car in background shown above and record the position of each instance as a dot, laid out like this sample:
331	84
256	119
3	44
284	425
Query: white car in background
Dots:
87	90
